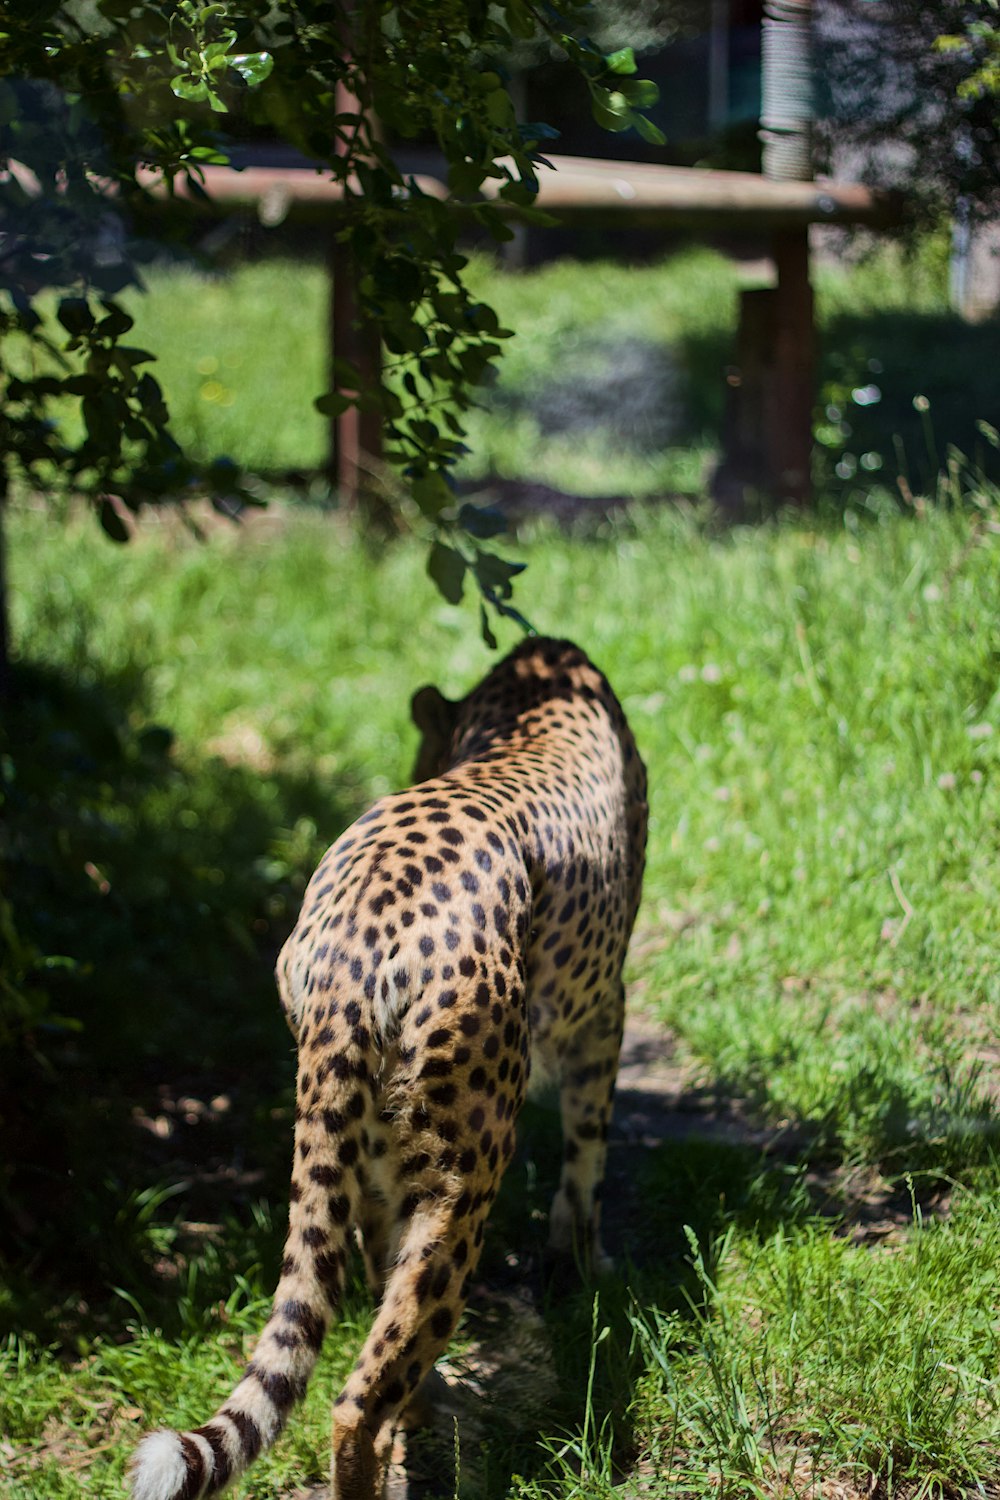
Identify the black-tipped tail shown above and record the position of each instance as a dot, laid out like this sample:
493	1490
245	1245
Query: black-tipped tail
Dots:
192	1465
188	1465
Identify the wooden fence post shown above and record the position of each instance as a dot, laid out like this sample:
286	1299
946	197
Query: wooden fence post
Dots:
355	437
788	418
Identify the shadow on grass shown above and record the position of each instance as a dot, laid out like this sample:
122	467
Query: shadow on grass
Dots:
642	397
895	356
146	1068
905	355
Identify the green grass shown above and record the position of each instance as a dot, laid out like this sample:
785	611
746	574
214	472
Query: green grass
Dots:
614	383
805	1359
818	706
89	1415
818	702
234	386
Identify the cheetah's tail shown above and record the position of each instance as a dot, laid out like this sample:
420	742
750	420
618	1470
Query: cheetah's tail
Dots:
189	1465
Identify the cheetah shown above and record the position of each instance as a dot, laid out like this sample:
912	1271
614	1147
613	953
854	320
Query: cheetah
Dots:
452	935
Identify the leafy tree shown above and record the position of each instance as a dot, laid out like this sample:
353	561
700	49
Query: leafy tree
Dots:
978	47
95	93
912	90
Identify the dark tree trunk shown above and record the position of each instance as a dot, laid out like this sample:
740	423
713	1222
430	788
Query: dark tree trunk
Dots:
5	671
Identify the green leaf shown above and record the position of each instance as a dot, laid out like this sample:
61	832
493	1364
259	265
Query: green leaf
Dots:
101	418
610	110
499	109
472	362
333	404
186	87
465	178
215	52
531	214
432	494
150	397
494	222
253	67
522	193
533	131
616	102
408	336
116	321
483	317
447	568
75	315
79	385
484	626
510	613
111	522
495	573
649	132
482	521
520	20
346	374
622	61
127	355
424	432
641	93
210	155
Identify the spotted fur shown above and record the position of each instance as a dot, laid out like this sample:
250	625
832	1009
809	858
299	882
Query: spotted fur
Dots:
453	933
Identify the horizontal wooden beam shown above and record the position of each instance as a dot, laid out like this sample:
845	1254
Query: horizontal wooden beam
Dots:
577	188
696	197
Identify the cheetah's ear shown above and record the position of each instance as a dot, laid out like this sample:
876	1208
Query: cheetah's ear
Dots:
432	712
435	716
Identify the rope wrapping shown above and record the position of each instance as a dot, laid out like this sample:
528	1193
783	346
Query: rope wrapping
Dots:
787	98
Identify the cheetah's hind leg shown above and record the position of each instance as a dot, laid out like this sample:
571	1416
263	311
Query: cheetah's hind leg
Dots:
587	1073
379	1236
424	1296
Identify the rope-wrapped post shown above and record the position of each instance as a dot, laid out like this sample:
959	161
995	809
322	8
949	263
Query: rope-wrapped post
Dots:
768	435
787	109
787	94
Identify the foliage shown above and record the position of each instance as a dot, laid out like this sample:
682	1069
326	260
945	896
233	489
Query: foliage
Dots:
97	95
60	233
979	44
910	93
645	25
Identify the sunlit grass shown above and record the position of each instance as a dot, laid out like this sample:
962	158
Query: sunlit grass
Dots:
818	708
614	383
